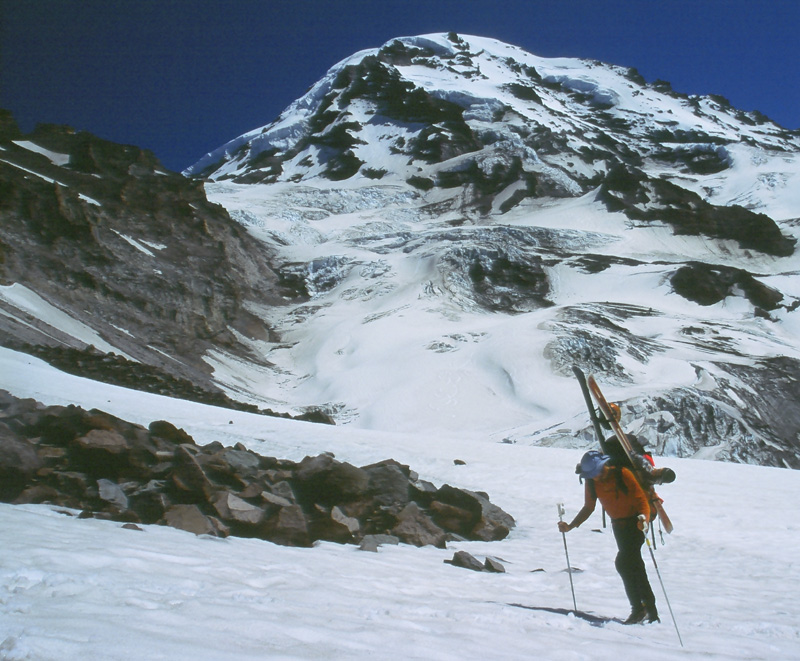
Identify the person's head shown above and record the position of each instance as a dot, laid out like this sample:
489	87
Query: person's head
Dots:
592	464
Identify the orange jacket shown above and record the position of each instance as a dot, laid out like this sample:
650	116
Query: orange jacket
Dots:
615	501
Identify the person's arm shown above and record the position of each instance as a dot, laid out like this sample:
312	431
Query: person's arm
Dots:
584	513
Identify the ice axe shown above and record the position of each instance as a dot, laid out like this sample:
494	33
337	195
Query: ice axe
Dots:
566	552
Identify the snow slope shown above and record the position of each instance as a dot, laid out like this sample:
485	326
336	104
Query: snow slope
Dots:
478	247
397	334
87	589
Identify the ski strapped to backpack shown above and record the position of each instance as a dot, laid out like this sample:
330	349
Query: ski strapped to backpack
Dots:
598	428
602	403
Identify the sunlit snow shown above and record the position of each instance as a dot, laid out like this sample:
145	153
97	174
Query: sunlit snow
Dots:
55	158
28	302
87	589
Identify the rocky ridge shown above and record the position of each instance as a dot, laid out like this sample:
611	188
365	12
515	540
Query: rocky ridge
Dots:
108	468
118	249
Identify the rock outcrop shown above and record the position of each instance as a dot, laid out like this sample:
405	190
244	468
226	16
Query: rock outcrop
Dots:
102	246
108	468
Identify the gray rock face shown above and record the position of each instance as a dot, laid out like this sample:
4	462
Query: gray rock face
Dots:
106	228
109	468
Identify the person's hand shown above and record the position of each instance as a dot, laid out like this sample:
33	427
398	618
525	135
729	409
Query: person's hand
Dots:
563	526
642	524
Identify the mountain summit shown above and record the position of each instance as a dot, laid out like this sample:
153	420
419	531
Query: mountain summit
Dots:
447	111
441	227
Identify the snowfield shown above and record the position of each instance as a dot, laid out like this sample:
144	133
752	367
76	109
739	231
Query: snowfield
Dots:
88	589
390	327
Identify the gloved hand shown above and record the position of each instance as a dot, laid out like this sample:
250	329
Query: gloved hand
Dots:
667	476
642	524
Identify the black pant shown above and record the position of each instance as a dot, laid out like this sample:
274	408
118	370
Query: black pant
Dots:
629	562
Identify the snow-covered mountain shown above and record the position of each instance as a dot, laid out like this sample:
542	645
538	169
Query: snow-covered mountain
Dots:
448	223
468	220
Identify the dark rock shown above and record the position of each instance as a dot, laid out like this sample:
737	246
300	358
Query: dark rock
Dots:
191	519
422	492
38	493
389	484
18	463
59	425
332	525
466	561
188	475
415	527
494	524
493	565
113	470
372	542
489	522
452	518
284	490
112	493
234	510
288	527
708	284
74	484
324	480
101	452
150	502
169	432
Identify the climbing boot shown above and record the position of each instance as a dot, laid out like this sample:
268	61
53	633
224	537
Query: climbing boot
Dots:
638	614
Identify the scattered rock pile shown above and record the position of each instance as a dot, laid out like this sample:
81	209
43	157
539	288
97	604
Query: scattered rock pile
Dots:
108	468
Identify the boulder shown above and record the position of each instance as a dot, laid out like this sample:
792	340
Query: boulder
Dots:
494	524
415	527
466	561
331	525
273	501
284	490
188	475
150	502
389	484
494	565
453	519
287	527
19	462
125	450
38	493
489	523
324	480
112	493
349	522
169	432
191	519
372	542
234	510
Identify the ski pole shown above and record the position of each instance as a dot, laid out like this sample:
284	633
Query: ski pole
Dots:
566	552
663	589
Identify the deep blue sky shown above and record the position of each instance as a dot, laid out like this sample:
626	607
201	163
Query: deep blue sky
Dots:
182	77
